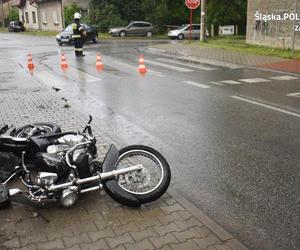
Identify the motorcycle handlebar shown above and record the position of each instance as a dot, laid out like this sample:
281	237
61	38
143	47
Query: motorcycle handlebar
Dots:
88	126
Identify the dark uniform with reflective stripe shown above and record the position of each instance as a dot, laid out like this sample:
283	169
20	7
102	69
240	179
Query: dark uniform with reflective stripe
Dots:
77	36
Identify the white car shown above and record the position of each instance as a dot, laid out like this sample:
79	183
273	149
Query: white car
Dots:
183	32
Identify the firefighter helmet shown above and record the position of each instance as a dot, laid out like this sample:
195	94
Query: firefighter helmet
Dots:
77	15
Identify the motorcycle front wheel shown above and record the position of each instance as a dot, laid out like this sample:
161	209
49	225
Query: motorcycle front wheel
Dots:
152	181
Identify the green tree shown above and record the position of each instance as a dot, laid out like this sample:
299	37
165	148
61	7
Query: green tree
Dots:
104	15
156	12
107	13
227	12
69	12
13	15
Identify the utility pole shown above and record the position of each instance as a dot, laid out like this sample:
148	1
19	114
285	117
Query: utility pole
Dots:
1	2
203	21
294	29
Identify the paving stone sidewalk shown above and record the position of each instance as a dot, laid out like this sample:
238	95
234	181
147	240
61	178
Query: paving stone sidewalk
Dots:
227	57
96	221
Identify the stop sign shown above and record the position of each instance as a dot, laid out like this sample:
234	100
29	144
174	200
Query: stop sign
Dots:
192	4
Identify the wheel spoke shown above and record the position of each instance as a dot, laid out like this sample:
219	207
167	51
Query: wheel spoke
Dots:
146	180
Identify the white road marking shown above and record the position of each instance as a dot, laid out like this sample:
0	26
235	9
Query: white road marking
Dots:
187	65
217	83
231	82
255	80
294	94
200	85
182	70
284	78
211	62
267	106
151	72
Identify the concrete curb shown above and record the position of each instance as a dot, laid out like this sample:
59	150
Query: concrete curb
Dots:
220	232
192	59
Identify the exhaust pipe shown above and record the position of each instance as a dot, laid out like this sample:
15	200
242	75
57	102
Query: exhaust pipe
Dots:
99	187
103	176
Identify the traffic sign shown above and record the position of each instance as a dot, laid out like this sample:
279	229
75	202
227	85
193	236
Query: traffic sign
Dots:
192	4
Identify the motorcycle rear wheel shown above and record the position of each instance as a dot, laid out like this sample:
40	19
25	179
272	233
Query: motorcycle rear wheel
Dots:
152	181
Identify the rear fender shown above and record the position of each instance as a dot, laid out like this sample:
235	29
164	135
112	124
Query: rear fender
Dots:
112	187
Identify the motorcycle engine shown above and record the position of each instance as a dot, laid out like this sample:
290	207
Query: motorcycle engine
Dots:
65	143
50	163
46	179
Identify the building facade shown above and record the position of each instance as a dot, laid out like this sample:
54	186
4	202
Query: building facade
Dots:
51	15
45	14
271	23
41	14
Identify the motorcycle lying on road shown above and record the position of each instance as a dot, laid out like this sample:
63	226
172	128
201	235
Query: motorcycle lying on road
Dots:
57	166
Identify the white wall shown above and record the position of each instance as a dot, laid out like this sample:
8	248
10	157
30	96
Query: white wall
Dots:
29	22
51	16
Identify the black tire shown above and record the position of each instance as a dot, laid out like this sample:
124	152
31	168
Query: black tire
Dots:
144	151
122	34
180	37
60	44
149	34
48	128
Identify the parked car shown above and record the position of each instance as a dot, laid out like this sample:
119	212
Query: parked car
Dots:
65	37
183	32
16	26
136	28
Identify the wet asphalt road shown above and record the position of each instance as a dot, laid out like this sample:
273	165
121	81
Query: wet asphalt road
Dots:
233	148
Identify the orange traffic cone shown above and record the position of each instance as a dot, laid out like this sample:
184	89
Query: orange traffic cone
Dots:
142	67
30	64
63	62
99	64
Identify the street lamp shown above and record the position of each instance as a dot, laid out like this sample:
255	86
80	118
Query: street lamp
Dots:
203	21
294	29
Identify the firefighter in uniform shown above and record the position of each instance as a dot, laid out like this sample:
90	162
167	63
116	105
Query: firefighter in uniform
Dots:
78	35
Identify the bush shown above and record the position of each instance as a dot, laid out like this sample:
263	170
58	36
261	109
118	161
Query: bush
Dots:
13	15
69	12
105	16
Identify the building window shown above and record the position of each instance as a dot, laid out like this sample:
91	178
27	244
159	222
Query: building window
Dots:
26	17
33	17
55	17
23	19
44	17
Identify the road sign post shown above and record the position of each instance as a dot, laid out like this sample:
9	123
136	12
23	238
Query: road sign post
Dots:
192	5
